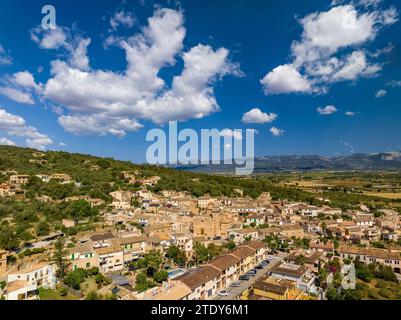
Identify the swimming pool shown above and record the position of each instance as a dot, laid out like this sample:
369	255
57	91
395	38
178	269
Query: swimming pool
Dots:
175	273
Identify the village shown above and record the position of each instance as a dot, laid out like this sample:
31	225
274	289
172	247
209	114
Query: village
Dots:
171	245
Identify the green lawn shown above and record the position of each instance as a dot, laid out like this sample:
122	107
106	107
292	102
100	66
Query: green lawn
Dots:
49	294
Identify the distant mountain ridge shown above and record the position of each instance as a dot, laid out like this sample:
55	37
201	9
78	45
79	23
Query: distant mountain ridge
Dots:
283	163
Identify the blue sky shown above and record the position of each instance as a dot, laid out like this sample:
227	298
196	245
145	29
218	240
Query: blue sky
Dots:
289	69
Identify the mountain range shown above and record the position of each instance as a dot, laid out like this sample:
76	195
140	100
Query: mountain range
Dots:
283	163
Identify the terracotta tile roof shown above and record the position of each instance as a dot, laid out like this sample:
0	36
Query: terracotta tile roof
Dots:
199	276
372	252
224	262
255	245
128	240
102	236
289	269
242	252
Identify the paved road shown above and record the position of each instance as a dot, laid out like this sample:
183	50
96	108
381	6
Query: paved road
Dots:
236	292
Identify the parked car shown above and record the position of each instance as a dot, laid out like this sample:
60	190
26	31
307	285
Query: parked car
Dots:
259	267
223	293
250	274
235	284
244	278
264	263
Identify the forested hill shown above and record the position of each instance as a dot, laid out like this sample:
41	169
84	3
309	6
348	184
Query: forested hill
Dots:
100	176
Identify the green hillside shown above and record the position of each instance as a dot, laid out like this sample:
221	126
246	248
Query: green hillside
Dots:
24	217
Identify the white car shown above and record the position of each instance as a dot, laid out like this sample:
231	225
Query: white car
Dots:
223	293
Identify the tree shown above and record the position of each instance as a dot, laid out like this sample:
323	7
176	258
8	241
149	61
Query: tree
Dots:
75	278
201	253
231	245
332	294
152	261
300	260
161	276
42	229
142	283
177	255
8	239
364	273
59	257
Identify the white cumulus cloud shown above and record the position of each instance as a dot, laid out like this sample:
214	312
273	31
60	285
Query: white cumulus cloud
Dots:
15	126
257	116
276	131
327	110
319	57
105	102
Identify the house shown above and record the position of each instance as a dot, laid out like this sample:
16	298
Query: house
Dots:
102	239
44	177
205	201
184	242
260	250
110	258
163	230
3	262
68	223
301	275
61	176
364	221
202	282
7	190
121	196
229	266
292	231
247	258
322	247
372	255
268	232
83	257
133	247
311	259
19	179
242	235
255	219
276	289
24	283
173	291
21	290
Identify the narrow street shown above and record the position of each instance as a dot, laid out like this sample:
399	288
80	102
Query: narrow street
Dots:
235	293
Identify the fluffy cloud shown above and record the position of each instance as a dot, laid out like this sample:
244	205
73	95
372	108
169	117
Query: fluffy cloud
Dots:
16	95
5	58
25	79
98	124
105	102
276	131
394	83
6	142
327	110
350	113
257	116
62	38
121	18
381	93
16	126
285	79
318	59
